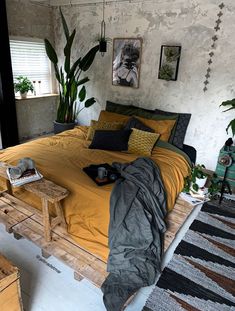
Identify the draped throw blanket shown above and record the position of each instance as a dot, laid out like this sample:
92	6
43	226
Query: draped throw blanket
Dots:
137	212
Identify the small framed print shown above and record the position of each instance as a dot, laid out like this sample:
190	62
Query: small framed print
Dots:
126	61
169	62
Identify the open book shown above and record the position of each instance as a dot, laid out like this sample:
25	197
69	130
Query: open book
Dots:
27	177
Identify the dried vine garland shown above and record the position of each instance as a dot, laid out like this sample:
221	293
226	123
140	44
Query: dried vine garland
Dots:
213	46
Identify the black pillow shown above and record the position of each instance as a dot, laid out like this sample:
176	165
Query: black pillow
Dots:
110	140
180	128
133	122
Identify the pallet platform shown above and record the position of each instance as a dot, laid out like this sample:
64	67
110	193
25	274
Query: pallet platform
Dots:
25	221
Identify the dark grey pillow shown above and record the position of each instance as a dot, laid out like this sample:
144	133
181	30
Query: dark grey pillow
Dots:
128	110
133	122
180	128
110	140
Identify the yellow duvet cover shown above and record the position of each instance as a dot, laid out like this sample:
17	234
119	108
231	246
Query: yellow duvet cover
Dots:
60	158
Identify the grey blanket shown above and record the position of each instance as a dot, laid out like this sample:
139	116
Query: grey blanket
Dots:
137	212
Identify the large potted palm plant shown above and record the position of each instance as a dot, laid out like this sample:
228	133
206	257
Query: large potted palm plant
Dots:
72	90
230	104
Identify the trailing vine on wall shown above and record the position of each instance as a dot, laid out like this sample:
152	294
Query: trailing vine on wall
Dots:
213	46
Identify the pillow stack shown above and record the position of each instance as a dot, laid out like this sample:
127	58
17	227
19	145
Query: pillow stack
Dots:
117	132
179	130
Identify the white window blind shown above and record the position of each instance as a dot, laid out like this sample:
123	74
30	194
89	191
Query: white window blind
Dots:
29	59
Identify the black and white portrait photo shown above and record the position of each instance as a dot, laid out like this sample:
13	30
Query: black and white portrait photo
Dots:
126	62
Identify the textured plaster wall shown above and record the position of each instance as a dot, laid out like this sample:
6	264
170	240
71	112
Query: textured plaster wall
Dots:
35	117
27	20
188	23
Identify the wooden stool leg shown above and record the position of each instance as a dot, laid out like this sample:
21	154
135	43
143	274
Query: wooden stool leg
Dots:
46	220
59	212
9	188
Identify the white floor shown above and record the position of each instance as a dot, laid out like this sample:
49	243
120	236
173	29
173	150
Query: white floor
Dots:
48	285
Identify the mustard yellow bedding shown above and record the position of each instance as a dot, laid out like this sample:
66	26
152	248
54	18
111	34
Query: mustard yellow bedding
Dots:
61	158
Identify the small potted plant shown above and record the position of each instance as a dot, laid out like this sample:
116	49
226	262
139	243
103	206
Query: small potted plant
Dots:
23	85
197	178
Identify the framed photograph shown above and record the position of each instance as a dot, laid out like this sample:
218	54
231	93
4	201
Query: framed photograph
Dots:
126	61
169	62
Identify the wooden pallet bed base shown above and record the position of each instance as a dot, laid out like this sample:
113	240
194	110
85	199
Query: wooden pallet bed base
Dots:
25	221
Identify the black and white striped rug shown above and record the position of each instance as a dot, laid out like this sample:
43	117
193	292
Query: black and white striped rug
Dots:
201	274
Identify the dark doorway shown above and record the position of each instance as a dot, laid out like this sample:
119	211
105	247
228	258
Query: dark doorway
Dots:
8	120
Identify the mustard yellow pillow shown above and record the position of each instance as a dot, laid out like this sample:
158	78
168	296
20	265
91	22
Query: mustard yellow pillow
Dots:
102	125
141	142
113	117
162	127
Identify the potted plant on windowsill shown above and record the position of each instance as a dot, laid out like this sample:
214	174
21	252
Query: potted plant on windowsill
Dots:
23	85
71	85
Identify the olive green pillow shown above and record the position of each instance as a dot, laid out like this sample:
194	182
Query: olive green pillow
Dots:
130	110
142	142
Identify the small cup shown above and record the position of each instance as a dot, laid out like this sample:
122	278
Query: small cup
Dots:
102	172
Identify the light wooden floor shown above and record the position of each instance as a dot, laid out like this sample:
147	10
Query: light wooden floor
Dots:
48	284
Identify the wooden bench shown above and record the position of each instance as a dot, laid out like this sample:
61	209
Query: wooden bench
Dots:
47	191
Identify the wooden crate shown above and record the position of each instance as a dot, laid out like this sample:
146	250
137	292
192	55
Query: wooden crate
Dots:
10	296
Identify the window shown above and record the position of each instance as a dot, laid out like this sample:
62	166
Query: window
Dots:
29	59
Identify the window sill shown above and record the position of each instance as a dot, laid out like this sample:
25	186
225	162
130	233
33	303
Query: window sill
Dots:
29	97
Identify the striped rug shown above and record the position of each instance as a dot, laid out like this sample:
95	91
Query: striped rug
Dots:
201	274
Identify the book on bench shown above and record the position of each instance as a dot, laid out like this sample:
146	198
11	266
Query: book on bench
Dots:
27	177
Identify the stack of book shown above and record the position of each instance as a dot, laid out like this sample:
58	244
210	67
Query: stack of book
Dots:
26	177
195	198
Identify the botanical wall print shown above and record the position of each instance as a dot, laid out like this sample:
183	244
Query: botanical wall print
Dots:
126	61
169	62
213	46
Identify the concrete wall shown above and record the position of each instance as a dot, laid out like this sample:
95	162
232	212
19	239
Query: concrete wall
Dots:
35	116
188	23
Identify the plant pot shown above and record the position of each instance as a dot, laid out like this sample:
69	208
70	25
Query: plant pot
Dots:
201	182
103	46
61	127
23	95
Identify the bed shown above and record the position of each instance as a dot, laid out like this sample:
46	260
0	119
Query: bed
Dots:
60	158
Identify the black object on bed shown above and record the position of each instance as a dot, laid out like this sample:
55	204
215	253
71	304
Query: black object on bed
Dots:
191	152
92	172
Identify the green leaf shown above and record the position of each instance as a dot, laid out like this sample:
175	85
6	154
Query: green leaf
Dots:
232	125
67	52
57	74
82	94
65	26
51	52
195	187
229	103
83	81
88	59
89	102
73	68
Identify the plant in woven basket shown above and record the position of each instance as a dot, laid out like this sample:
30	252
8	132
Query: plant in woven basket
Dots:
230	104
